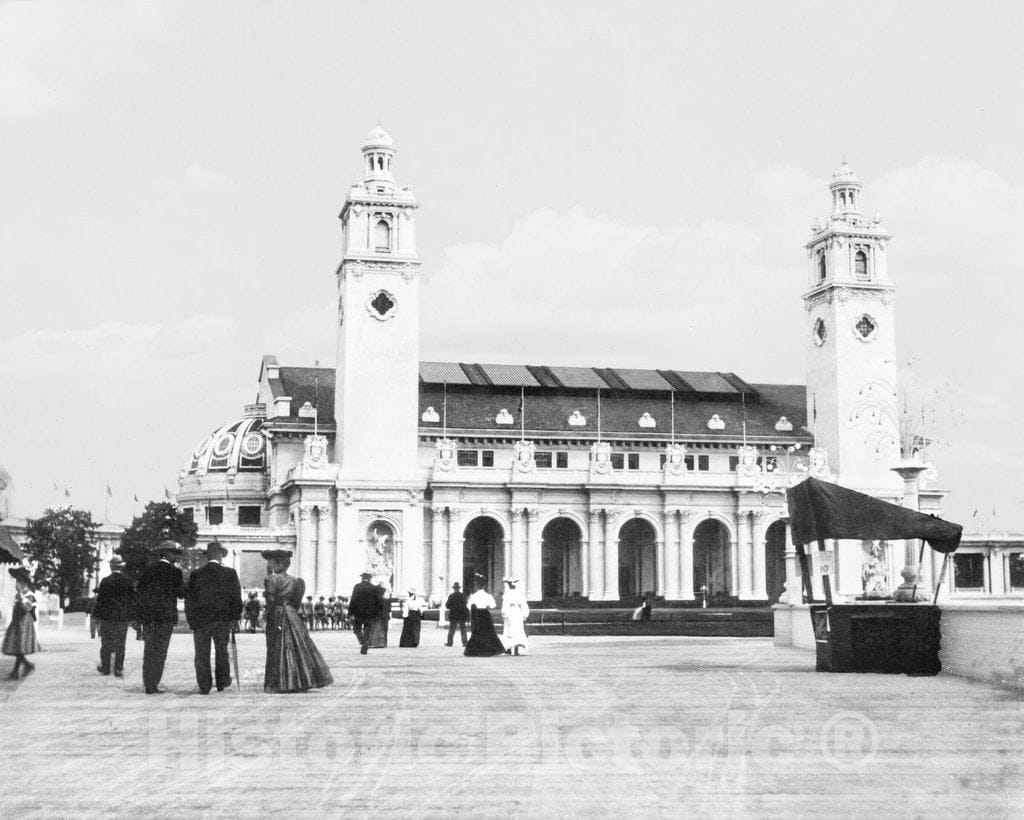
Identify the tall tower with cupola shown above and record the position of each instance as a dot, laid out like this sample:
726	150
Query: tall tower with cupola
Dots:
378	325
851	342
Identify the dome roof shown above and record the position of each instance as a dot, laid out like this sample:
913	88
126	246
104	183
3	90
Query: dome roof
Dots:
378	138
237	446
844	175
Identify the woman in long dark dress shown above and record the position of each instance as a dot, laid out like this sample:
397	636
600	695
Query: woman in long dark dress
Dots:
20	637
412	615
294	664
379	632
484	641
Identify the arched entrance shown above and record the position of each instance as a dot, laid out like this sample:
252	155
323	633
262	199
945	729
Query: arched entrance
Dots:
483	553
638	571
560	559
775	560
712	561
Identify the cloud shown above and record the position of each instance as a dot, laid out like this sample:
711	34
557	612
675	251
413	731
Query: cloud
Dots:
111	348
204	179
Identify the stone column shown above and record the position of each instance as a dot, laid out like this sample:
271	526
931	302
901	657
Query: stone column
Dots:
996	569
671	589
760	554
596	586
534	575
744	554
438	565
584	565
734	571
794	590
306	546
518	544
611	556
659	574
454	572
326	543
686	555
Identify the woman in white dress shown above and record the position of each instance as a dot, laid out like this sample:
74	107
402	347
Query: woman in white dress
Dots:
516	611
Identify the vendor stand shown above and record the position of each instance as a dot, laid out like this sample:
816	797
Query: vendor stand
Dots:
876	636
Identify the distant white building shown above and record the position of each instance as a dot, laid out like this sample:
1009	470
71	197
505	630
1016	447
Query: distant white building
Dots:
597	483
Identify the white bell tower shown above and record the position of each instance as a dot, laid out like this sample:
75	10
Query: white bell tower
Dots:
852	406
379	488
376	387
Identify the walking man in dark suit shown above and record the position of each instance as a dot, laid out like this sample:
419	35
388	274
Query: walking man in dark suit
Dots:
213	606
160	586
458	613
115	607
363	607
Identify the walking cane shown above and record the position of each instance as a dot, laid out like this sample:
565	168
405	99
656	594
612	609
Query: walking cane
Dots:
234	661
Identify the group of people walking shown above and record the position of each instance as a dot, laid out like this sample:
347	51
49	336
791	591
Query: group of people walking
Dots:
214	607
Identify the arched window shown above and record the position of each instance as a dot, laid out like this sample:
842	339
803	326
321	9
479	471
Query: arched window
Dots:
382	236
842	198
822	272
860	265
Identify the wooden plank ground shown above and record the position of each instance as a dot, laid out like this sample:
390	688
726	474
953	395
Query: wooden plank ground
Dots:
584	727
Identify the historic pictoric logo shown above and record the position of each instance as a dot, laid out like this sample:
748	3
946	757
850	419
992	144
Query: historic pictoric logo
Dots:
445	454
675	459
601	458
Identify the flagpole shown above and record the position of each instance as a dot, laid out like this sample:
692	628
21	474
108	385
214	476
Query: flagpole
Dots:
522	413
672	403
743	401
444	410
599	415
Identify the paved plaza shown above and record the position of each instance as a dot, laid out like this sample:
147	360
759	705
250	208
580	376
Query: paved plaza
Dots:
584	727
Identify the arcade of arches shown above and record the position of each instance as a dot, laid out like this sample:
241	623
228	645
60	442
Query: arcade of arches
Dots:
609	558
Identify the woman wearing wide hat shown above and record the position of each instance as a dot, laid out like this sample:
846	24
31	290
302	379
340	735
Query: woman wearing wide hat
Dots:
294	664
20	637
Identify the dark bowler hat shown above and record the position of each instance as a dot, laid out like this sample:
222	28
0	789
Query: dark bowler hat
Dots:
276	555
456	585
215	549
116	563
168	548
20	574
366	574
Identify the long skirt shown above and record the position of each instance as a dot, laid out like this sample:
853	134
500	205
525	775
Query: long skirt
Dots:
484	641
20	638
294	664
379	633
515	631
411	630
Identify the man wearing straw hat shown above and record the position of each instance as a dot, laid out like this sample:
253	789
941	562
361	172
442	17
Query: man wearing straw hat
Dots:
160	586
213	606
116	607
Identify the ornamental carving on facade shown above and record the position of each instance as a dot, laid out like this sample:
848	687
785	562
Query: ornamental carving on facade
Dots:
601	458
747	466
524	455
817	463
380	552
315	457
675	459
445	460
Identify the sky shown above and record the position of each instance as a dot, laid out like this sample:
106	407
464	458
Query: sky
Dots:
602	184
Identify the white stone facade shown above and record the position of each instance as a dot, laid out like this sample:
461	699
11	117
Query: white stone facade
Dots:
596	484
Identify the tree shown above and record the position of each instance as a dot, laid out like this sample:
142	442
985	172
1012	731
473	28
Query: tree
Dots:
60	546
160	521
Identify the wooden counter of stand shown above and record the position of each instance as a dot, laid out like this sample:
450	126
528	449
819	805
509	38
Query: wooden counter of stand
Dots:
882	636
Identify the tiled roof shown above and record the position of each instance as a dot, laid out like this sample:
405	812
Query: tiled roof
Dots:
477	393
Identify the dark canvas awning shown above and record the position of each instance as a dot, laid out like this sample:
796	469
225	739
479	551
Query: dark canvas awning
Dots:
819	510
10	552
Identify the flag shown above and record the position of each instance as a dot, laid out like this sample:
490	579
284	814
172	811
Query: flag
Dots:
67	493
167	494
110	492
136	498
